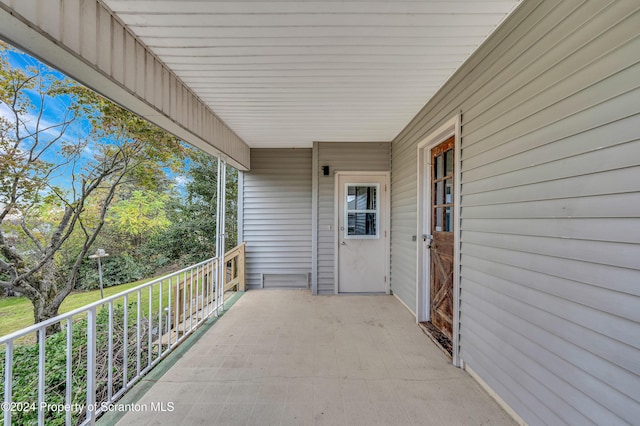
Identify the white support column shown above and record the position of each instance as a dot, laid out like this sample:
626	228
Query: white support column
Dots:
220	237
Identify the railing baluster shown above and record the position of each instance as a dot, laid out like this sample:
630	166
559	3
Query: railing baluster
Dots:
203	301
221	272
199	312
190	300
69	387
195	300
205	291
160	333
42	333
214	265
184	303
150	327
212	278
233	268
91	365
177	309
8	381
201	288
214	287
138	335
110	355
214	283
125	341
170	314
206	283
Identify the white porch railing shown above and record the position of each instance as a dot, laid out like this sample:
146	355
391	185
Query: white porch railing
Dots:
103	348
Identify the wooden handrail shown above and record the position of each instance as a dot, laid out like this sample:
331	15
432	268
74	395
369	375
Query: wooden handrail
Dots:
234	261
234	277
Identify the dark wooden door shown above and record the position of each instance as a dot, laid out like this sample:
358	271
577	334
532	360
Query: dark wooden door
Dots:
441	245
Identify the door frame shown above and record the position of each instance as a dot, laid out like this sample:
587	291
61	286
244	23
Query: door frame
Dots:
423	302
387	224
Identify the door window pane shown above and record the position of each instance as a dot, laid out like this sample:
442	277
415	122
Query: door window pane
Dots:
438	220
448	191
447	220
361	212
439	193
361	224
361	197
439	167
448	159
443	191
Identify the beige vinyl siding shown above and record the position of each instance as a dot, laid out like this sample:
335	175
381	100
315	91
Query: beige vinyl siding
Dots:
550	213
276	217
353	156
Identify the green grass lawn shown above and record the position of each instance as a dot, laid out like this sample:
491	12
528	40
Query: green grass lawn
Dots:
17	312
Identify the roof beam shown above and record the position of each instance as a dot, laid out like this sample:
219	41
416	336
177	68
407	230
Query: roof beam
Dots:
84	40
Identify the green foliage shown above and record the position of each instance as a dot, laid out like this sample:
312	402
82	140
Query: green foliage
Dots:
141	214
26	136
17	312
191	236
47	229
117	195
25	361
116	270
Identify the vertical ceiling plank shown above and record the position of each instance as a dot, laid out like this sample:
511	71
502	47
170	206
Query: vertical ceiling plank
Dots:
28	9
141	68
71	24
149	77
118	51
130	61
166	90
156	96
173	95
104	46
88	31
179	101
50	18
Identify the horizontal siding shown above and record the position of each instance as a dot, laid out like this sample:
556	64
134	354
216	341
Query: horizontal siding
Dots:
352	157
286	281
276	217
550	213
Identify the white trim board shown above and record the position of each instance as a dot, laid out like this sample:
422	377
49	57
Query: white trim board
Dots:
501	402
450	128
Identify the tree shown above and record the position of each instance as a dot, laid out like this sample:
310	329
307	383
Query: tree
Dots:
191	235
143	214
48	163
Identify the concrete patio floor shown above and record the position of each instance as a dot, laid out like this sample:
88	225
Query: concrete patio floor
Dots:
284	357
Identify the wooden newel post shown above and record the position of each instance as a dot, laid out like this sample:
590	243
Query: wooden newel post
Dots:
241	268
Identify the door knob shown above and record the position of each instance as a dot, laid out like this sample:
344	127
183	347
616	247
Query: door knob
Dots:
343	243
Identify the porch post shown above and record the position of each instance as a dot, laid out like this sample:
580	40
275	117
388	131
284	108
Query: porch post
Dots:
220	237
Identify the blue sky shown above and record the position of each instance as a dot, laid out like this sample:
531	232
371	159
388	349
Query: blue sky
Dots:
54	111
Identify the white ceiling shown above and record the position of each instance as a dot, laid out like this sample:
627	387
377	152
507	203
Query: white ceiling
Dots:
287	73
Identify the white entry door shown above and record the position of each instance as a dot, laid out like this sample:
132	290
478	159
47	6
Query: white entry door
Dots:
362	232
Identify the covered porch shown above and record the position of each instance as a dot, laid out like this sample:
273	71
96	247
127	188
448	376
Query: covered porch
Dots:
284	357
533	107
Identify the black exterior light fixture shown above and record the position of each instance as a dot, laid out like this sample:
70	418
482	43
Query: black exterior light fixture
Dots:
325	170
